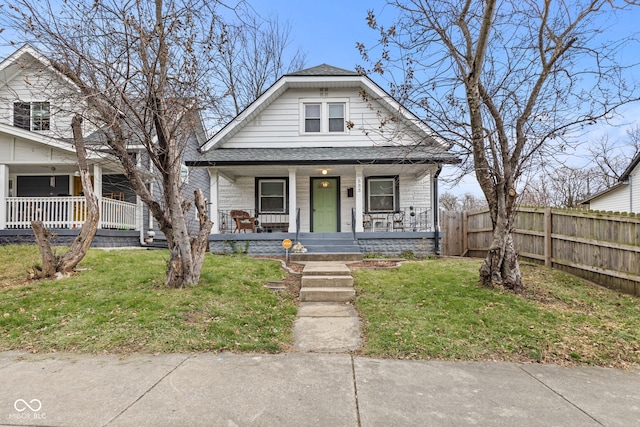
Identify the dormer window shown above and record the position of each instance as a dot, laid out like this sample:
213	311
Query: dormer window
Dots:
323	116
336	117
32	115
312	117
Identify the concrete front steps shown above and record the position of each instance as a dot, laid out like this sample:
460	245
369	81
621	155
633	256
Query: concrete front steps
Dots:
328	247
326	282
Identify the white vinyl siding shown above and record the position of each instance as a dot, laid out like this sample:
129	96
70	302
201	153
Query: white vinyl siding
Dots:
281	123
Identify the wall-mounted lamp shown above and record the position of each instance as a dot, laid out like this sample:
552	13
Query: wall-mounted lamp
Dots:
324	171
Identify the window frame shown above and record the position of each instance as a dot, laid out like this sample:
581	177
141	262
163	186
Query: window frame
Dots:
325	118
329	118
20	118
41	121
396	193
258	194
34	122
308	119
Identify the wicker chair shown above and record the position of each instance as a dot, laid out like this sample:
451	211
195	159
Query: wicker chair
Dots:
244	221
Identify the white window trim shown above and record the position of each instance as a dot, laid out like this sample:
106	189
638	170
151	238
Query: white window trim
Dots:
395	195
284	195
324	115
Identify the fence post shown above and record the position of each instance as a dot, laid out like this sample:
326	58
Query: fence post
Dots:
548	248
465	235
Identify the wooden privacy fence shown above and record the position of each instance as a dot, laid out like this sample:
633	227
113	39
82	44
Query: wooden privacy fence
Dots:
601	247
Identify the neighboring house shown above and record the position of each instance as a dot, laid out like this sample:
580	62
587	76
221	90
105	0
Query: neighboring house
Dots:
39	178
622	197
325	150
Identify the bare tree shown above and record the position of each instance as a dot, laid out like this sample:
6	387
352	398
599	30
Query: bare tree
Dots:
52	263
566	186
449	202
508	81
141	71
610	158
254	54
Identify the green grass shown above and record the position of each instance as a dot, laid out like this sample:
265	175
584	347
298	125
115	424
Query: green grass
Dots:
119	305
435	309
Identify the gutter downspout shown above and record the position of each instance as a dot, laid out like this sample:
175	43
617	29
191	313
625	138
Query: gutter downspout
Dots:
436	227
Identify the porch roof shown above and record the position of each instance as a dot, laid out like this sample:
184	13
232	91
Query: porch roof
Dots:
323	155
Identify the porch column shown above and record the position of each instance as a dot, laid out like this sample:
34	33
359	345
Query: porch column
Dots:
213	201
293	203
97	189
359	198
4	192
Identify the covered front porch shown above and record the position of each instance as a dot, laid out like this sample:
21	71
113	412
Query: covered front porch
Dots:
53	194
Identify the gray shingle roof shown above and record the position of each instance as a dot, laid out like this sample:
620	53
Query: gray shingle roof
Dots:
324	155
324	70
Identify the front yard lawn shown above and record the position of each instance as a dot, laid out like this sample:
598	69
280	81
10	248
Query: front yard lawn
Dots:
435	309
119	305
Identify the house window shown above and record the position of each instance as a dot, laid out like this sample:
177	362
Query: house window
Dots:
312	117
336	117
323	117
22	115
40	116
382	194
32	116
271	195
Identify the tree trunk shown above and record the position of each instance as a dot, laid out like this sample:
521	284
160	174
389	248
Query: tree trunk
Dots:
500	268
51	263
186	258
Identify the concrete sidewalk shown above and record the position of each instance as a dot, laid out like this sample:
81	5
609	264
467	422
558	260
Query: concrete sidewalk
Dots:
306	390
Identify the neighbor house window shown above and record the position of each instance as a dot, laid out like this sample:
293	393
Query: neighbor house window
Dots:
40	116
271	195
32	115
382	194
22	115
323	117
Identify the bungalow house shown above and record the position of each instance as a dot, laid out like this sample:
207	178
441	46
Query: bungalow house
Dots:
39	177
325	156
622	197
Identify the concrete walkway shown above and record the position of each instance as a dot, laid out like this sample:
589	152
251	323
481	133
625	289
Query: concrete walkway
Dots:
326	327
327	322
306	390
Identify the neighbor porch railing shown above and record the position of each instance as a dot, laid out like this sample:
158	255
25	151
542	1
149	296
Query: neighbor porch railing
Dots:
262	222
67	212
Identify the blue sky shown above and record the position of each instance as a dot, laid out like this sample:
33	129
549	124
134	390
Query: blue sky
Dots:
327	30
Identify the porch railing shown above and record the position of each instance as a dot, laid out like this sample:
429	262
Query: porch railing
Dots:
408	219
118	214
262	222
67	212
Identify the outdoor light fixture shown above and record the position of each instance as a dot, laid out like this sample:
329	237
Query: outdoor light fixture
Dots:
324	171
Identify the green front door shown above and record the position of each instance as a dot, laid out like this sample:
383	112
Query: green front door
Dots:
324	204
